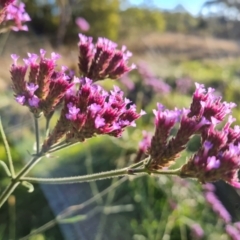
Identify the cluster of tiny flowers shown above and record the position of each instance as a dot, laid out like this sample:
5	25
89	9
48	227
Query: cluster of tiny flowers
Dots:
183	85
233	231
45	86
102	60
196	231
218	156
156	83
143	146
90	111
13	15
82	24
215	203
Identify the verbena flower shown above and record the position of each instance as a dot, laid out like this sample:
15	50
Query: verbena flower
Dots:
233	232
143	146
82	24
196	231
13	16
216	160
90	111
156	83
45	86
215	203
102	60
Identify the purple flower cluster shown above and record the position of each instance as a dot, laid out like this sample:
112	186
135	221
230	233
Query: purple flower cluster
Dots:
219	154
91	111
102	60
13	15
215	203
196	231
183	85
233	231
45	86
143	146
82	24
151	80
163	151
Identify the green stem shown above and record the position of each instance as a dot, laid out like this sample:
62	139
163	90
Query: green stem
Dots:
7	148
85	178
11	187
37	134
47	126
16	181
60	146
168	172
99	176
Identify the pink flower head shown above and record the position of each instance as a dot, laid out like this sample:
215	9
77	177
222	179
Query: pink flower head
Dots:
233	232
205	104
15	15
218	158
197	231
102	60
91	111
45	86
149	79
216	204
82	24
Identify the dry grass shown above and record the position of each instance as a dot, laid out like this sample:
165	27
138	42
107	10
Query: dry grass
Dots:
176	46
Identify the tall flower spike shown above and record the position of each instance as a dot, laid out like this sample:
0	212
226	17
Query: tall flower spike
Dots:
164	122
92	111
45	87
102	60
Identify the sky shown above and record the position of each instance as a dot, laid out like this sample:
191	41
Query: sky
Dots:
193	6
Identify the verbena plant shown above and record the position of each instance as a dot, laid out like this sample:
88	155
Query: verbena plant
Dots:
88	110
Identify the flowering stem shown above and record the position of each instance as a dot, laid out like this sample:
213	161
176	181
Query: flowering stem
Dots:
99	176
7	148
37	134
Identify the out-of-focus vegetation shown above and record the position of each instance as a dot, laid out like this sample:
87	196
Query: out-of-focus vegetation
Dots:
179	49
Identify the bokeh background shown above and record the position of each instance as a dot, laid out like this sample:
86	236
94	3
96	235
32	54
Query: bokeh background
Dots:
174	44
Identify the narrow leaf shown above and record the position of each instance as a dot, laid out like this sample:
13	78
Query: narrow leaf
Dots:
7	148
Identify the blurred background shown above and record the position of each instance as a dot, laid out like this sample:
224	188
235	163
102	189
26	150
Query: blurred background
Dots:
174	44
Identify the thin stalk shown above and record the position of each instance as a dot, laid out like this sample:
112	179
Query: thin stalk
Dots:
85	178
12	217
37	134
61	145
99	176
8	152
167	172
74	209
16	181
8	191
47	128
